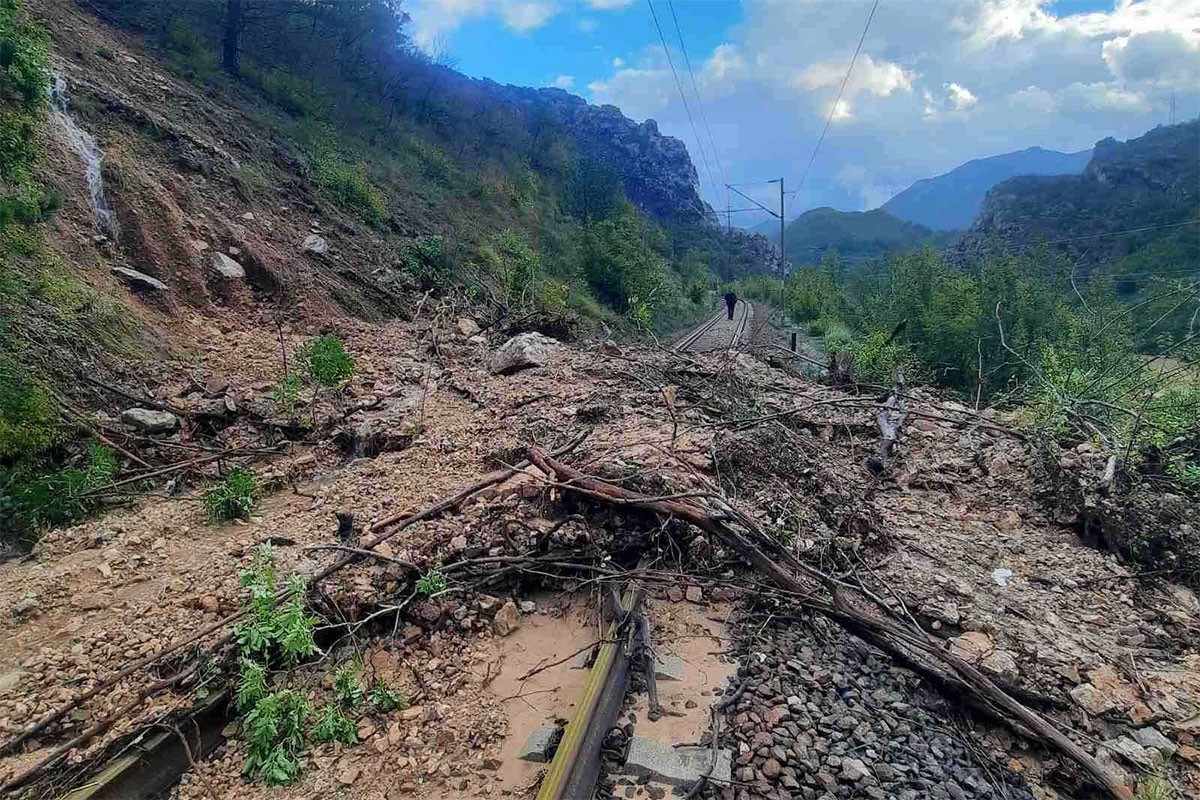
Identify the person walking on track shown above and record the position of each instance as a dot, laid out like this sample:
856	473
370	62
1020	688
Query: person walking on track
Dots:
730	302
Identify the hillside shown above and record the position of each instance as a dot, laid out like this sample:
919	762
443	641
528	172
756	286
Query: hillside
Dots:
1151	182
952	200
855	235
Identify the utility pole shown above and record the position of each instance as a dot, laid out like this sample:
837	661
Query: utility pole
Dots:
1172	108
782	246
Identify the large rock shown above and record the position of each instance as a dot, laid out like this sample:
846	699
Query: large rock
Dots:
149	420
138	280
508	619
314	243
467	327
522	351
227	268
678	766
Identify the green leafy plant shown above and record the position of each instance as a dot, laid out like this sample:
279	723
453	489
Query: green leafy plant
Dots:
286	395
252	684
431	583
31	498
347	685
328	362
274	731
286	630
1155	787
384	698
233	497
335	726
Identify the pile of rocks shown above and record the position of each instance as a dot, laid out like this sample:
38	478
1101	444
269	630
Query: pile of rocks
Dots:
825	717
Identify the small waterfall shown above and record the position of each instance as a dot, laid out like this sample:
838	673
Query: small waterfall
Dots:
86	148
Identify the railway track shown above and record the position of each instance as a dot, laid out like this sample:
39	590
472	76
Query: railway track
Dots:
699	338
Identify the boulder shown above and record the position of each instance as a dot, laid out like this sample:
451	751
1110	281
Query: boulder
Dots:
148	420
522	351
314	243
466	327
227	268
139	281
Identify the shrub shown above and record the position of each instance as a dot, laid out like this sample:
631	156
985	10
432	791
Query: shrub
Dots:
328	362
876	359
552	296
286	395
233	497
335	726
31	499
28	413
347	687
384	698
425	259
431	583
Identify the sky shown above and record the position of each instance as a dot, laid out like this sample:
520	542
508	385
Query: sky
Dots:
937	82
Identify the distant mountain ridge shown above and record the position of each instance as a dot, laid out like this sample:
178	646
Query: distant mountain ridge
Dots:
952	201
855	235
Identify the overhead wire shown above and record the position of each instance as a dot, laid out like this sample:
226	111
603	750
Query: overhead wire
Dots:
696	91
838	100
682	96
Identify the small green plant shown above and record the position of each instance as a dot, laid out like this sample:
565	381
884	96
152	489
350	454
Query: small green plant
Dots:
1187	472
335	726
286	395
270	628
1155	787
252	684
274	731
347	686
552	296
384	698
328	362
233	497
431	583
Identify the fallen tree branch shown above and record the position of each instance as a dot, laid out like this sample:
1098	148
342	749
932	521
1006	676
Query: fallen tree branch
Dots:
891	416
847	609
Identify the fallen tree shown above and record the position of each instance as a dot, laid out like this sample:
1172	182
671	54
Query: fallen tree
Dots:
852	607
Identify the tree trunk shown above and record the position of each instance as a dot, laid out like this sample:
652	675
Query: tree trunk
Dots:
229	38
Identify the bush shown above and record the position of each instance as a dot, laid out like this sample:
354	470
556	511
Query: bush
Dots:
431	583
31	499
274	732
425	259
286	395
328	362
29	421
876	359
233	497
335	726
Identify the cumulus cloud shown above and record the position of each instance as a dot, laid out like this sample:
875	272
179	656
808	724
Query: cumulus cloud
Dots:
433	20
563	82
937	83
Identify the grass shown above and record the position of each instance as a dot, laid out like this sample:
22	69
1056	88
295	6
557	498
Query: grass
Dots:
328	362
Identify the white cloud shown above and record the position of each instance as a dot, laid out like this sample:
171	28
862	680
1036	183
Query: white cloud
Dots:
563	82
608	5
960	96
587	25
434	20
618	62
937	83
526	16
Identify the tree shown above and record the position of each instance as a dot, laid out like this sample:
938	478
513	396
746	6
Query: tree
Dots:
230	33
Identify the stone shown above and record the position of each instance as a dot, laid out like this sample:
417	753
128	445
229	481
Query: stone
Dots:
487	603
527	606
508	619
538	746
521	352
972	646
1189	753
1137	754
412	713
314	243
227	268
694	594
215	386
853	770
1154	739
139	281
458	543
248	216
668	668
771	768
677	766
609	347
466	327
1001	663
209	603
149	420
348	775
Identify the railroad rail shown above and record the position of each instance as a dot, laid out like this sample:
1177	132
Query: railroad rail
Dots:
741	320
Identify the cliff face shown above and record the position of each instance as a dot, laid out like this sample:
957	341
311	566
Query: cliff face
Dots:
1152	181
655	169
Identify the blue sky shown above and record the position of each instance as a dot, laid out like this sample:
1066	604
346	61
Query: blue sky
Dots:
938	82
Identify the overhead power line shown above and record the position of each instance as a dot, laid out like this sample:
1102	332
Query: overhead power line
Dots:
682	96
696	91
838	100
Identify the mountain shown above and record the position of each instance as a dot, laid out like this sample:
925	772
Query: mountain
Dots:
855	235
951	201
1150	182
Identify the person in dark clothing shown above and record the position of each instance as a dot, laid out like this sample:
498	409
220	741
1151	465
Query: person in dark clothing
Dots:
730	302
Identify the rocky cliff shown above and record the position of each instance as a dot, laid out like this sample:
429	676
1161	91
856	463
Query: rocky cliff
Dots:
1151	182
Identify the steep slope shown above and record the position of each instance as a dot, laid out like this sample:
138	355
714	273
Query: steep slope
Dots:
952	200
854	235
1151	182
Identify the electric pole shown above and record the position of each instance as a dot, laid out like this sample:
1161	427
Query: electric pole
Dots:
782	246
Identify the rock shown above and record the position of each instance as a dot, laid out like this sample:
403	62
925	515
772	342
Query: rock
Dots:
314	243
458	543
215	386
1188	753
148	420
1003	664
609	347
487	603
508	619
411	714
1009	521
946	612
248	216
208	603
694	594
853	770
139	281
527	606
522	351
1137	754
678	766
972	646
675	594
348	775
538	746
227	268
466	327
771	768
1154	739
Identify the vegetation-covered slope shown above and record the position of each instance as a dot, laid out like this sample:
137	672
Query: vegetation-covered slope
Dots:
854	235
951	201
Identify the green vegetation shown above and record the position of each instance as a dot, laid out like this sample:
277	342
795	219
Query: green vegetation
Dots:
335	726
384	698
328	362
233	497
286	395
347	685
32	497
855	236
431	583
24	85
274	733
